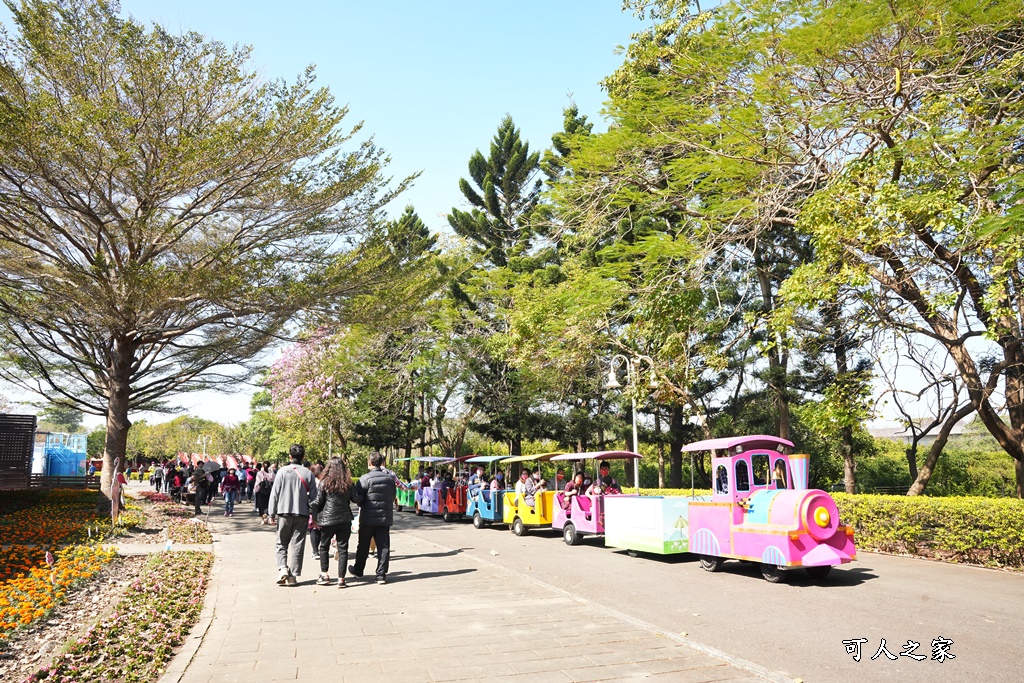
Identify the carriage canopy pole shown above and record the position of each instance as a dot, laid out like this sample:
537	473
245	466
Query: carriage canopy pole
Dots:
692	465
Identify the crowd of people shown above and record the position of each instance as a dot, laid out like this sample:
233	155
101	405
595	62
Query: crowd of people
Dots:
201	482
316	500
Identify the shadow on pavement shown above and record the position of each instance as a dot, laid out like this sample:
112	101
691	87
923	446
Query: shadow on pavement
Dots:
401	576
450	553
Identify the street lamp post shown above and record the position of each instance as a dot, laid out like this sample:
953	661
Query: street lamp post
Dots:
204	441
632	367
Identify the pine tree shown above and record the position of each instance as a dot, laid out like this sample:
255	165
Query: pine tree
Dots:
505	195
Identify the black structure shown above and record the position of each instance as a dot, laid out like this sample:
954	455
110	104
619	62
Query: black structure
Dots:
17	439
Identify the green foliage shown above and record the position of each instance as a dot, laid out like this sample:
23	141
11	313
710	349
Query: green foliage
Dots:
970	530
63	418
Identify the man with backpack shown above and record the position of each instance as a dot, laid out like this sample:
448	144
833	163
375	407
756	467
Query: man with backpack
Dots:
294	486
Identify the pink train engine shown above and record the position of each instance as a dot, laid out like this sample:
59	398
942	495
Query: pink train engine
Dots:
762	511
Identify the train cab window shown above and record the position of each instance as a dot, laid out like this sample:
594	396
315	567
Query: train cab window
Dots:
779	474
742	476
759	464
721	479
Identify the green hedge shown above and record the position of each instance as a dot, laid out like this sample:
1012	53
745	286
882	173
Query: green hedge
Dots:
968	529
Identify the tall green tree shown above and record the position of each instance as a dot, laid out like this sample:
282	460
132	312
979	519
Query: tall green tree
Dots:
914	219
506	192
499	231
165	213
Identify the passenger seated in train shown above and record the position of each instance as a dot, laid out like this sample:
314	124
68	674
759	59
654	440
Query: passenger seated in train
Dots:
573	487
721	480
779	474
526	488
477	481
539	482
498	483
607	481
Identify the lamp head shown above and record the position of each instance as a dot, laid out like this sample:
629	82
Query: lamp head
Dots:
613	381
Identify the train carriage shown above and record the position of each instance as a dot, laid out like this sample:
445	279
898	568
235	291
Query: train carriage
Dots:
517	512
760	511
484	506
583	515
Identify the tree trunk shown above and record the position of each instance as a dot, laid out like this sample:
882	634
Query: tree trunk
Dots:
841	350
911	452
118	401
1018	467
515	447
921	480
675	453
423	432
846	447
661	448
1009	436
407	464
778	358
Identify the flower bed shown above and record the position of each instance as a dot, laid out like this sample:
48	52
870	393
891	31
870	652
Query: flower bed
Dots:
30	588
53	518
64	523
155	496
188	531
135	642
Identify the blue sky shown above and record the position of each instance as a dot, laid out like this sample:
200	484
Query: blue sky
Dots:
430	80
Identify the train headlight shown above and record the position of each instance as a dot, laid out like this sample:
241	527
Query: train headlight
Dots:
822	518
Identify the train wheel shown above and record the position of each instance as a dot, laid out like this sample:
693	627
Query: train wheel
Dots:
711	563
569	534
478	521
518	528
772	573
446	515
818	573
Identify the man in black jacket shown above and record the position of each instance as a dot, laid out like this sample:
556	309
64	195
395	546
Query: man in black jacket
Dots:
375	494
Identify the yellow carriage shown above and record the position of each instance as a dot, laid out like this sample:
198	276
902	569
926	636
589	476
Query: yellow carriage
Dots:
517	512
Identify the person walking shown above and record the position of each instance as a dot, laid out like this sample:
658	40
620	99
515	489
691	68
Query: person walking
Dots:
202	481
314	526
158	478
374	493
264	484
229	487
294	486
250	481
334	514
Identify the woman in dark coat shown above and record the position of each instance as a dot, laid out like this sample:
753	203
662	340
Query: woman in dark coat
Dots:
334	517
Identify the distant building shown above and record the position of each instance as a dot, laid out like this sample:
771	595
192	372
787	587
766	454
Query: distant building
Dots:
898	431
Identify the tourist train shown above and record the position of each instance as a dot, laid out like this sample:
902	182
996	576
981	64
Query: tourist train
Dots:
760	510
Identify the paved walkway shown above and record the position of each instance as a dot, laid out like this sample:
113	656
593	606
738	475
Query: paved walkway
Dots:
442	616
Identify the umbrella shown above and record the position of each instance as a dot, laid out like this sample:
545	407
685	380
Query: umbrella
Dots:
212	466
